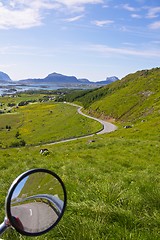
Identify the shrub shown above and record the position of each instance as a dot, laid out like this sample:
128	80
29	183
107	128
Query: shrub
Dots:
8	127
17	134
20	143
11	104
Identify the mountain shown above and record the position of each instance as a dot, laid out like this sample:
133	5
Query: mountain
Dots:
53	78
84	81
4	77
108	80
57	78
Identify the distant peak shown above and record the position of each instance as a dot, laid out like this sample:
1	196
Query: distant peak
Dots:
4	77
54	74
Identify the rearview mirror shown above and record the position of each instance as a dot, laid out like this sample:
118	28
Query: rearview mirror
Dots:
36	202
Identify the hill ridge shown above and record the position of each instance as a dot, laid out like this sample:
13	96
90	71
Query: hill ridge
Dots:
131	99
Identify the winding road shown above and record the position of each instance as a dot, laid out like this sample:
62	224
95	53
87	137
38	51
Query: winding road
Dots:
107	127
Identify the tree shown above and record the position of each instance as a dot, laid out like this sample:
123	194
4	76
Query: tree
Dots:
17	134
8	127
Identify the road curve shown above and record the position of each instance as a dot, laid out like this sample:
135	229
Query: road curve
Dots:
107	127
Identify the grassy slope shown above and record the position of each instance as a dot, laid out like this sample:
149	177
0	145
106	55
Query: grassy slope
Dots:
41	183
112	185
44	122
133	100
113	182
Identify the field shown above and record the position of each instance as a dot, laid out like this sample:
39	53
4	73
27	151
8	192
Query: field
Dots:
112	180
44	122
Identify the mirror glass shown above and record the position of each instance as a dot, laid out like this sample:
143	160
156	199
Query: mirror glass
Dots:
37	202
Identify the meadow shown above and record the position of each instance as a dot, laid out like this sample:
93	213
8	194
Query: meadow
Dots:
112	181
112	185
43	122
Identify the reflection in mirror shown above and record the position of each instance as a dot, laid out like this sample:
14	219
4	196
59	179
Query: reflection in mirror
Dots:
37	202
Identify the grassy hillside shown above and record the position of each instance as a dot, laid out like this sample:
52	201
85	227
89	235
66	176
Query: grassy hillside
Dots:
112	180
131	98
41	183
113	186
134	100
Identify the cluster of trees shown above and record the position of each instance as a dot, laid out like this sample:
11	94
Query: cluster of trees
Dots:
20	143
86	97
23	103
71	96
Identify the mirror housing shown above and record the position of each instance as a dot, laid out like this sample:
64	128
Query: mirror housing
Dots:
36	202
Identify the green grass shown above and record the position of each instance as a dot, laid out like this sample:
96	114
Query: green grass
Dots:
112	180
41	183
112	184
17	98
43	123
131	99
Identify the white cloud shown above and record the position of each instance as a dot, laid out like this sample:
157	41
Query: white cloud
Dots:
36	4
153	12
23	13
19	19
129	44
77	5
105	6
30	13
155	25
123	29
78	2
129	8
73	19
102	22
136	16
106	50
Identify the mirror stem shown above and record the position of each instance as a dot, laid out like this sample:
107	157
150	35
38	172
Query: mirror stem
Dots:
4	226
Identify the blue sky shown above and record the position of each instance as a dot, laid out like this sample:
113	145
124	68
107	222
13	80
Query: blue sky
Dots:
91	39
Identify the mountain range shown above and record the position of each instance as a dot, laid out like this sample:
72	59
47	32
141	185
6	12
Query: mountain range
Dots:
57	78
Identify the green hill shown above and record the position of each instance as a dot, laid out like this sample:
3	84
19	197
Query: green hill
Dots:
135	99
